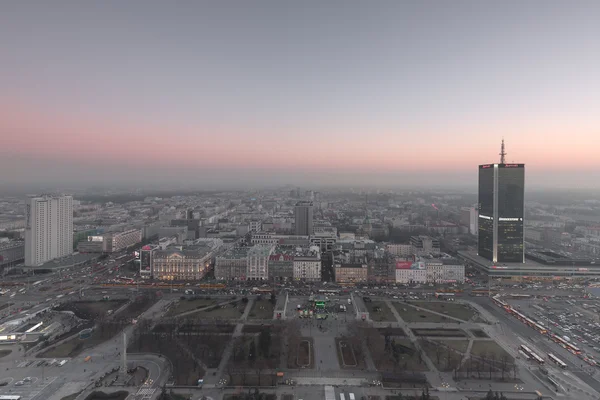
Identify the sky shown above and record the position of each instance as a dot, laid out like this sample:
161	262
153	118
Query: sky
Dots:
312	92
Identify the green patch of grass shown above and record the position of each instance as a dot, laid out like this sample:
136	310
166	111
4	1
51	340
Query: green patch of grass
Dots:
456	310
262	309
489	347
188	305
380	312
411	314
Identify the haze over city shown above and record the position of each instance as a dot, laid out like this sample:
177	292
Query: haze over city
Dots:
267	92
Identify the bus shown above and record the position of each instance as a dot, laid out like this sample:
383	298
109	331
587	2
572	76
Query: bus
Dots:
446	296
329	292
557	361
565	344
524	355
125	279
531	354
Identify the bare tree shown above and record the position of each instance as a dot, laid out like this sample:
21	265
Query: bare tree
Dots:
492	362
503	364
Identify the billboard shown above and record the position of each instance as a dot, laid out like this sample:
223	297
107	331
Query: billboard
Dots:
95	238
403	264
145	260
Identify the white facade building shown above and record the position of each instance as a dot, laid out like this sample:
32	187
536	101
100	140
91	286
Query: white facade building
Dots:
307	267
438	272
415	274
48	228
258	262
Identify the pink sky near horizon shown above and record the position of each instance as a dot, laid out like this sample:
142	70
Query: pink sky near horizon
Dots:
51	134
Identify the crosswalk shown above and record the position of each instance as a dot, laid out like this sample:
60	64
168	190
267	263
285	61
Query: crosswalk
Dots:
145	393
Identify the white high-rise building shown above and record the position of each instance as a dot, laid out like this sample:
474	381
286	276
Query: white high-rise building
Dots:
48	228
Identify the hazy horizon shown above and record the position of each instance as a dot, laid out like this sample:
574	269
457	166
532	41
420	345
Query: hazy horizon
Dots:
384	94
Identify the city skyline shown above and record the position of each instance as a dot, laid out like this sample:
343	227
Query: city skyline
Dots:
385	94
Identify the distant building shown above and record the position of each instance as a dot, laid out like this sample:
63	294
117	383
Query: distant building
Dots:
181	264
271	238
93	244
425	245
303	213
468	218
501	212
255	225
48	229
232	264
117	241
307	265
402	250
11	253
324	241
350	273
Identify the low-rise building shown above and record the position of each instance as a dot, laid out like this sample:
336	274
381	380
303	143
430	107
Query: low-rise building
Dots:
401	250
11	253
258	262
445	271
408	272
232	264
117	241
325	241
281	266
350	273
181	263
425	245
382	268
307	265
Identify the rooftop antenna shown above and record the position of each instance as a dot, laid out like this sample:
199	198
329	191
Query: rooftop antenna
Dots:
502	153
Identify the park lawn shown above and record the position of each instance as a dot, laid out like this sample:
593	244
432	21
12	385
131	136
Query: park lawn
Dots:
410	314
489	347
188	305
262	309
380	312
225	311
456	310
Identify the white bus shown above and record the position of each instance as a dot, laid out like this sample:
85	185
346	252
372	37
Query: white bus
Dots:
531	354
557	361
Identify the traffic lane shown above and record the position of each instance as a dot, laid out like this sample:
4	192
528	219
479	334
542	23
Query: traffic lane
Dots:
530	334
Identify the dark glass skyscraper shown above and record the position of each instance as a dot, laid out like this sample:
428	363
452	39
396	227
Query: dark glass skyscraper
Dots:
501	206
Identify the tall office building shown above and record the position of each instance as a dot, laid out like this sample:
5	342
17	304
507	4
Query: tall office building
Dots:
501	206
304	218
48	228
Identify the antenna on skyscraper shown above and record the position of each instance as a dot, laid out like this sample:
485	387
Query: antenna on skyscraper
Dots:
502	153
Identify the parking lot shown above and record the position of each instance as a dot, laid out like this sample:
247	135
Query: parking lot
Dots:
26	387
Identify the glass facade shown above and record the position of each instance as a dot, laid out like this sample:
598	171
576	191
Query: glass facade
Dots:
486	211
511	189
501	208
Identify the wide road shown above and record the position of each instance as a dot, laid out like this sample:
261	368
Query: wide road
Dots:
539	341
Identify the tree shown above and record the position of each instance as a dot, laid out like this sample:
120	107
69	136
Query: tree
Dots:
264	343
503	364
252	352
